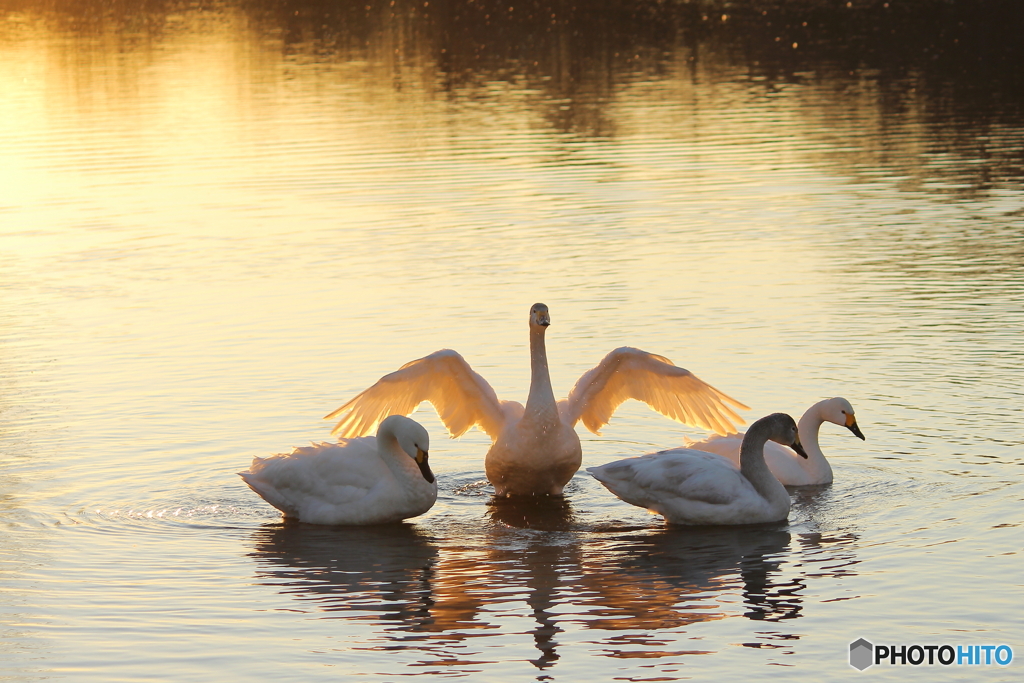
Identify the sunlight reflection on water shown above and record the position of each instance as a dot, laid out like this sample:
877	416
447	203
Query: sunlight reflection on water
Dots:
217	224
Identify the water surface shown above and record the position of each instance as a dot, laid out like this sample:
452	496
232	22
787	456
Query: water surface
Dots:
220	221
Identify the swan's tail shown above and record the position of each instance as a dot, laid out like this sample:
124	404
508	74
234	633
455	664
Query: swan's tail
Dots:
267	492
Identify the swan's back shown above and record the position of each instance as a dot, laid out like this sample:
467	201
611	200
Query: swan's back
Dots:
783	462
776	455
682	484
343	483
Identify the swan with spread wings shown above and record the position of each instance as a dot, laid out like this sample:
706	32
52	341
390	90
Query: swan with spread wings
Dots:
535	449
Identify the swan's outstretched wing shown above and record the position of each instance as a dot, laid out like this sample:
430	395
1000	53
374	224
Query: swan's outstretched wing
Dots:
672	391
461	397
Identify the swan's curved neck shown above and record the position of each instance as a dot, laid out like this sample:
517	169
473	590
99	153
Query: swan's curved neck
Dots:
752	463
387	445
541	401
808	427
392	453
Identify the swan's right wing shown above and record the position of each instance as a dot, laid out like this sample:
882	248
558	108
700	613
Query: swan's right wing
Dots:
672	391
461	397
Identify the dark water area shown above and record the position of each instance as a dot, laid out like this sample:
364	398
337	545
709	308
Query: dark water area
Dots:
968	47
952	67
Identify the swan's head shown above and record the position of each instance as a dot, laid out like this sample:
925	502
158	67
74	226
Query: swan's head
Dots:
412	438
784	431
539	316
839	411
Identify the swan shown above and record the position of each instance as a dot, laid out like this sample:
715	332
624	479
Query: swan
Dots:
365	480
784	463
687	486
535	449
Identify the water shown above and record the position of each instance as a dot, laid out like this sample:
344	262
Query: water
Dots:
218	221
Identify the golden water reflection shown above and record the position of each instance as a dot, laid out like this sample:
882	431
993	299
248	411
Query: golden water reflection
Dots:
170	78
196	199
561	575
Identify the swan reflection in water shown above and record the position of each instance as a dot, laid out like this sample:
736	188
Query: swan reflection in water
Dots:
340	568
391	572
681	571
538	559
535	544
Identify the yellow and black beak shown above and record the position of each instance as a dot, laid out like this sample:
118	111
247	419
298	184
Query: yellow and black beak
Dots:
851	424
798	447
421	460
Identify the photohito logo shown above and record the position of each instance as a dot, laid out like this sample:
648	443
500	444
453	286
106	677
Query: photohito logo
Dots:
864	654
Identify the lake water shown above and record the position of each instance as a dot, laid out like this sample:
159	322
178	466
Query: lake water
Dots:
221	220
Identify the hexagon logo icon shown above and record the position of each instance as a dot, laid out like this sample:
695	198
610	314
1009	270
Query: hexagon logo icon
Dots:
862	654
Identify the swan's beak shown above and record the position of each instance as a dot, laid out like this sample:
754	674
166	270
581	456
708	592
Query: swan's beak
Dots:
543	319
798	447
851	424
421	460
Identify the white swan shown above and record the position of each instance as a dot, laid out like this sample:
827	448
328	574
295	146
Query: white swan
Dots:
366	480
535	449
693	487
787	467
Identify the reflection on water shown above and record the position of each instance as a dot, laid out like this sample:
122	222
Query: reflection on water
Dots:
385	570
671	577
219	218
937	108
560	574
541	513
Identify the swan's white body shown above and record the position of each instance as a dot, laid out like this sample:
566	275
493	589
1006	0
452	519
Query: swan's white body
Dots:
365	480
693	487
788	467
535	449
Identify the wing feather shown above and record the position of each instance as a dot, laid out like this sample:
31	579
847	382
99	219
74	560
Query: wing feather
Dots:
461	397
672	391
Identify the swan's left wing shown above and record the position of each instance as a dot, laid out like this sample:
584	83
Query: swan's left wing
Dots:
461	397
672	391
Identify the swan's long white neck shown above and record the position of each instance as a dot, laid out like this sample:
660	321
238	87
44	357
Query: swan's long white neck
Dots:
808	428
388	446
540	405
752	463
393	455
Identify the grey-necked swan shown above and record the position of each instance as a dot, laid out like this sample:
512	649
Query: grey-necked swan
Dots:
687	486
